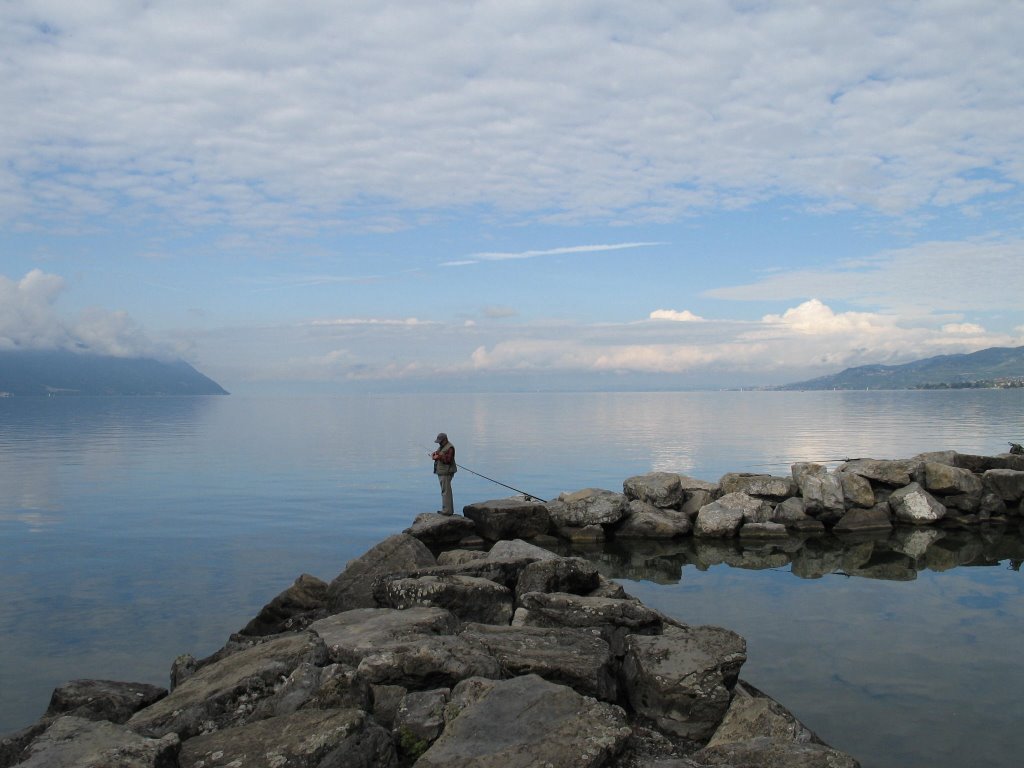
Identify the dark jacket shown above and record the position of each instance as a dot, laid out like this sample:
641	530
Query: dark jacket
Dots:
444	460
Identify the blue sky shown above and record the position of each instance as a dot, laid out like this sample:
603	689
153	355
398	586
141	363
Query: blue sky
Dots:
480	195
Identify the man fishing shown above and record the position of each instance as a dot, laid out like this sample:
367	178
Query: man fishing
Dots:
444	468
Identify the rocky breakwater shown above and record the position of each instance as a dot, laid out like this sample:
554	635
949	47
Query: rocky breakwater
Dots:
459	643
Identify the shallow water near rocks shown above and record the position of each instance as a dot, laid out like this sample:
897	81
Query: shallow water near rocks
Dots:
132	530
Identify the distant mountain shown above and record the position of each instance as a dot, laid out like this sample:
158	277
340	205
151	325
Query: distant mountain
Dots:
40	373
996	366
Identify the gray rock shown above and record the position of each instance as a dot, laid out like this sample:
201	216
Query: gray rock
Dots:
499	570
13	744
751	713
353	587
514	518
517	549
296	608
691	485
683	679
821	491
894	473
764	531
437	530
914	542
182	668
763	486
913	504
659	489
561	574
102	699
302	740
857	490
469	598
420	720
74	742
585	535
763	752
460	556
723	517
613	618
527	722
1007	484
695	500
466	693
438	661
646	521
340	688
948	480
350	636
297	689
226	693
791	513
591	506
573	657
858	519
385	701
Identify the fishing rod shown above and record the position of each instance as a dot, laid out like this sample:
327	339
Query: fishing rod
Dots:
528	496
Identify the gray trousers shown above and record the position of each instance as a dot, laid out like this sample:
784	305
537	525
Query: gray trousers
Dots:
447	504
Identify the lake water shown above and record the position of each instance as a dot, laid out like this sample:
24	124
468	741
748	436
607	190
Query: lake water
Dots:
133	530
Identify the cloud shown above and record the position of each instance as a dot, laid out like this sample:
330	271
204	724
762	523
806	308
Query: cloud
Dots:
685	316
342	322
29	320
368	115
573	249
496	312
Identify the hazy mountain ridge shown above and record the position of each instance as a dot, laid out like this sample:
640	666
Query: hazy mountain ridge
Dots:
41	373
994	366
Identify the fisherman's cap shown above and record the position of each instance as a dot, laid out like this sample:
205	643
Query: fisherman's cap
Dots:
441	438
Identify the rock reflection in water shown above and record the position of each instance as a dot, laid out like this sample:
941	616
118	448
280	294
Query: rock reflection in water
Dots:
892	556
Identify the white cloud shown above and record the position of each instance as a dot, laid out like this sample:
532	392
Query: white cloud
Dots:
963	329
685	316
315	114
341	322
572	249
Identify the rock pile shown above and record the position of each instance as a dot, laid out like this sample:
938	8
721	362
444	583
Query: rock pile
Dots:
458	643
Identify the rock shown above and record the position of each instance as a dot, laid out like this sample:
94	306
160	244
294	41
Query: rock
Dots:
437	661
722	518
74	742
353	587
339	687
13	744
296	608
914	542
821	491
913	504
894	473
573	657
588	534
763	486
691	485
763	752
613	618
792	515
437	530
695	500
460	556
350	636
1007	484
683	679
385	701
469	598
102	699
857	491
858	519
308	739
528	721
514	518
591	506
561	574
646	521
763	531
420	720
499	570
659	489
182	668
225	693
517	549
948	480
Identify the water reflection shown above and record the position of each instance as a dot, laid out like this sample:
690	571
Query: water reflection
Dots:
899	555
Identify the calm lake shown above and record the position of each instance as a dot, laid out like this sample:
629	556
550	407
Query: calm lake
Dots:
133	530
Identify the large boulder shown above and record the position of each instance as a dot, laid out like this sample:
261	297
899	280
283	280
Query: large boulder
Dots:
821	490
659	489
948	480
913	504
857	490
683	679
514	518
352	635
559	574
1007	484
517	549
226	693
438	661
353	587
437	530
646	521
613	618
723	517
878	518
102	699
572	657
419	720
469	598
763	486
75	742
894	473
591	506
528	721
296	608
308	739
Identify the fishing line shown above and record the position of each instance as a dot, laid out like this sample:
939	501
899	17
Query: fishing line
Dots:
529	496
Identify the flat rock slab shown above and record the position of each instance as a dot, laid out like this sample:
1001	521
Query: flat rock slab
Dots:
352	635
74	742
559	574
306	739
572	657
226	692
892	472
527	722
509	518
683	679
646	521
762	752
659	489
430	662
295	608
469	598
764	486
102	699
613	618
353	587
437	530
589	507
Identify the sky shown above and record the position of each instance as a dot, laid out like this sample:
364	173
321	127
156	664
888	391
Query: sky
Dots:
460	195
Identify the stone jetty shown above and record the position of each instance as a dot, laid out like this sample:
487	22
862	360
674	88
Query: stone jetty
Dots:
469	641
